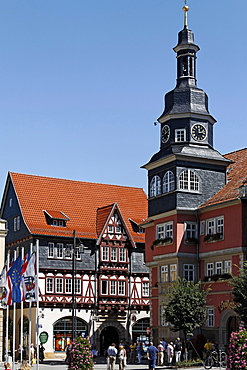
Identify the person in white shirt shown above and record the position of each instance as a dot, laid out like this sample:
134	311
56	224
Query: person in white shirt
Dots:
112	353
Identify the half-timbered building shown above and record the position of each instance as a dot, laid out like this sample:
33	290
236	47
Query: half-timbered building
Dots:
88	234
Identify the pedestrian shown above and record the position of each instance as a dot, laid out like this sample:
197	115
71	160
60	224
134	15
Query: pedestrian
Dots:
7	366
208	347
132	348
32	354
164	344
139	352
152	355
112	353
170	352
178	350
41	352
68	349
19	353
122	357
160	354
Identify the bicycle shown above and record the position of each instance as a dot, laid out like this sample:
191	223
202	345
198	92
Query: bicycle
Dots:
215	358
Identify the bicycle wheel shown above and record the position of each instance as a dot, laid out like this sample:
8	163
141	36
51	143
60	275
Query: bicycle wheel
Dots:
208	363
223	359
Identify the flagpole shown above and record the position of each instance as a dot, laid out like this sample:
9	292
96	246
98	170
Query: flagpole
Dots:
21	339
7	317
14	325
30	319
37	304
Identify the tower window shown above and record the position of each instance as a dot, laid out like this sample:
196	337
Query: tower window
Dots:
180	135
188	180
168	182
155	186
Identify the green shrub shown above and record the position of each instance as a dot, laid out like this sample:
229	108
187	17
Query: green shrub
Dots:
80	357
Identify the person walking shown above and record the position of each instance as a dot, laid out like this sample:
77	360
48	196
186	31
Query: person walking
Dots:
178	350
112	353
152	355
170	352
139	352
132	348
122	357
160	354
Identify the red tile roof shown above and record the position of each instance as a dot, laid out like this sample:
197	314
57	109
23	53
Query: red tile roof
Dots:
77	200
236	176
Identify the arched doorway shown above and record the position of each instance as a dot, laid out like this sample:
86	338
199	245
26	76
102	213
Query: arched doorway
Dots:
108	336
62	332
232	325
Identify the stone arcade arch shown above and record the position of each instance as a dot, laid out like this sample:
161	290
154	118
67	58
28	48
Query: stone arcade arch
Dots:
228	324
108	333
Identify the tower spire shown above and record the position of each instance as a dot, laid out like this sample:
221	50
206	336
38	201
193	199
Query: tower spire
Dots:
185	8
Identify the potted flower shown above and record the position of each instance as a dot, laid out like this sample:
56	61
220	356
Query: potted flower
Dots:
80	356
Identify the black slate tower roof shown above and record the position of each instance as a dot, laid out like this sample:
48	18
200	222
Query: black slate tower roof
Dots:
186	138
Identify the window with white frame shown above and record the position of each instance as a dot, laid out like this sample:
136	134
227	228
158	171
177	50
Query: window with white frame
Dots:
105	253
162	316
165	230
104	286
110	228
210	268
228	267
68	285
218	268
202	227
210	316
155	186
215	226
59	250
180	135
122	254
51	250
17	223
118	229
164	274
168	182
188	180
121	287
145	289
190	230
173	272
189	272
68	251
77	286
113	285
49	285
77	253
113	253
59	285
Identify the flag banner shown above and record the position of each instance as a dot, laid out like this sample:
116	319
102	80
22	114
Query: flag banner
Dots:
3	288
29	280
15	275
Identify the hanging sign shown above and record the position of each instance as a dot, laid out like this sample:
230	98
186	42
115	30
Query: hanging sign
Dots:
43	337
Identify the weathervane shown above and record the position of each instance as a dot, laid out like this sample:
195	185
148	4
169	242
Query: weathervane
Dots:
185	9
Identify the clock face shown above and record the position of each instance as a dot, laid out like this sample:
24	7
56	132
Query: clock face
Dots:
198	132
165	134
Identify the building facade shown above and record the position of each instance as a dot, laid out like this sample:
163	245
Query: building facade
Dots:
192	214
91	258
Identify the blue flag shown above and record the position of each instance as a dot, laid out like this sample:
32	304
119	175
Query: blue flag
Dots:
15	274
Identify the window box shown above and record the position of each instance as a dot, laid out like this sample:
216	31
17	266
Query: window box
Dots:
161	241
213	237
217	277
226	276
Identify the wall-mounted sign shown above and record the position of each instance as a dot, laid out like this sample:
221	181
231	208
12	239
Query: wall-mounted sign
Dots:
43	337
226	305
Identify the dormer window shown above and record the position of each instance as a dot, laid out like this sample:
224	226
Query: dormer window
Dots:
56	218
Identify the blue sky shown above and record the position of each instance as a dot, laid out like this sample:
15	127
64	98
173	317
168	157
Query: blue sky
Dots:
82	81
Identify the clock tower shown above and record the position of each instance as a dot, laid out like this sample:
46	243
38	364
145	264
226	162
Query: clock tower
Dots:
187	170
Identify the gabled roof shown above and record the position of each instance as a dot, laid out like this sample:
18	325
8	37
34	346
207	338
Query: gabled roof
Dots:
104	214
77	200
236	177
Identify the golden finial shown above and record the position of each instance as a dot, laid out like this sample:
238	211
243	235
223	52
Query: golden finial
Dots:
185	8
